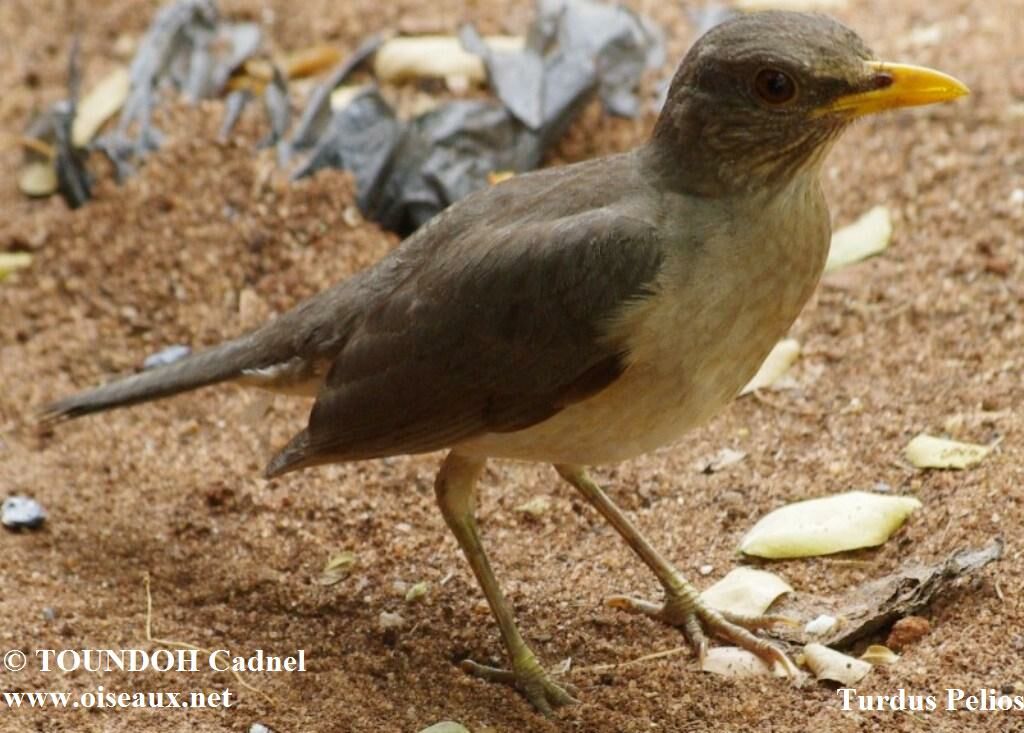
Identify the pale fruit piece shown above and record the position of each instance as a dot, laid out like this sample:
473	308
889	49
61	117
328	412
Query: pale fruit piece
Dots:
828	664
731	661
926	451
867	236
746	591
440	57
827	525
99	105
778	362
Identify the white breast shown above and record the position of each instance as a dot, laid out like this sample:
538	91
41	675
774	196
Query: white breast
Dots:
692	346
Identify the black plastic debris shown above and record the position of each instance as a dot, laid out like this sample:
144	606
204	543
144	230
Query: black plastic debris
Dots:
278	109
317	115
22	512
186	47
234	105
73	180
53	129
406	172
446	154
174	45
572	45
361	137
166	356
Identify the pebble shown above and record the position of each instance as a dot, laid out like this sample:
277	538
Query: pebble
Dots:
907	631
388	620
21	512
168	356
820	626
259	728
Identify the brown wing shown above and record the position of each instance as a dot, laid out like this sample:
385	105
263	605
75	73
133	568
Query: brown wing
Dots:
498	329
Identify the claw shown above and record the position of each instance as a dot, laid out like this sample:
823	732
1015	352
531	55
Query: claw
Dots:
530	678
693	616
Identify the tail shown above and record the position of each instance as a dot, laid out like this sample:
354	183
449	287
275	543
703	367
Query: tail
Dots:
217	364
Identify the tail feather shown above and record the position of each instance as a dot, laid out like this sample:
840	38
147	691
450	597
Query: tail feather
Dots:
290	458
217	364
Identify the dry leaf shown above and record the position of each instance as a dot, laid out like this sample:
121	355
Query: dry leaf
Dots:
746	591
926	451
828	664
880	656
99	105
867	236
439	57
496	177
731	661
337	568
310	61
779	360
11	261
831	524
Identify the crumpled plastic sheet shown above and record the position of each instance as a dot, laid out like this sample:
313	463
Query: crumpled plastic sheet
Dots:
407	172
188	46
54	128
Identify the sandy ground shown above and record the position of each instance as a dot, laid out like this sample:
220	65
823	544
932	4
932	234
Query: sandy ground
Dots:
210	239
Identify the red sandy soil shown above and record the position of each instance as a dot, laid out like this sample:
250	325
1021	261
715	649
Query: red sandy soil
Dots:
210	239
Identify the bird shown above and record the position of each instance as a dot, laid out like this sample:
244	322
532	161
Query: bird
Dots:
585	314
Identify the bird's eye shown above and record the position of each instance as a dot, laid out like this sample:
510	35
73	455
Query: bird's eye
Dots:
774	86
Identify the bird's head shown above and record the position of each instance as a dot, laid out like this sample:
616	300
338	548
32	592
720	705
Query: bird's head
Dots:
761	97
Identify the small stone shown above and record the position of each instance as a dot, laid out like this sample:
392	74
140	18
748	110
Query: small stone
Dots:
351	215
388	620
259	728
166	357
820	625
907	631
49	614
22	512
706	569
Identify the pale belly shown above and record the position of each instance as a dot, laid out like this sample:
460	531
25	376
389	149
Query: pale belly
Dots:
651	405
692	348
683	370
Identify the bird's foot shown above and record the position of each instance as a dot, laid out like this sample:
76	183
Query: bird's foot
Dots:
530	678
684	608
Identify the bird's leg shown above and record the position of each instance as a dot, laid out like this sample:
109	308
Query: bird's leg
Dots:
682	606
455	488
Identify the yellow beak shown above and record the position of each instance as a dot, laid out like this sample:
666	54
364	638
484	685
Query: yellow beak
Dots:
897	85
